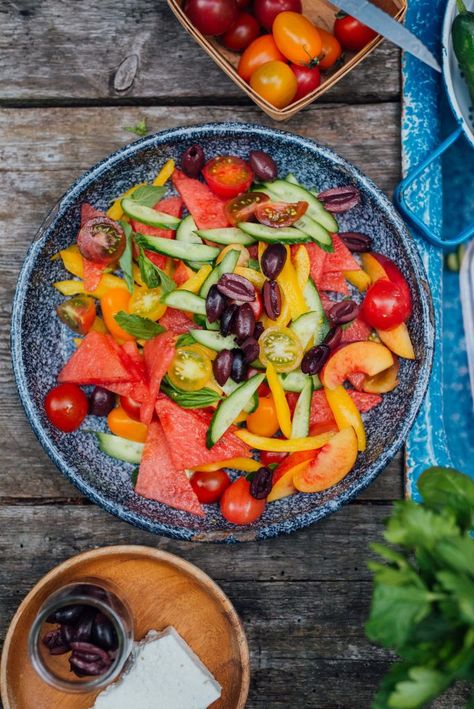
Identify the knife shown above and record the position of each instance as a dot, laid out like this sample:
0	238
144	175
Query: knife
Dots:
385	25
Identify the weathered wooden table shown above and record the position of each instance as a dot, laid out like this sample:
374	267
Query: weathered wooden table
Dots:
303	598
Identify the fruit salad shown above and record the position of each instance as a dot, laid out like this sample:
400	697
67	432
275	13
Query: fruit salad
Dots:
230	335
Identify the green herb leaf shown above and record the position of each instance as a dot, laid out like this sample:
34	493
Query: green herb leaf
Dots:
185	340
139	128
422	685
152	276
125	261
394	611
141	328
414	526
445	487
148	195
190	399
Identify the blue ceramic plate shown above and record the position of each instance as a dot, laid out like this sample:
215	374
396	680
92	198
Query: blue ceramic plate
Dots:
41	344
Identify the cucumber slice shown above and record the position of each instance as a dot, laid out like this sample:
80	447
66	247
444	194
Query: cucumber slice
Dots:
306	326
147	215
213	340
313	229
271	235
301	415
291	179
313	301
179	249
289	192
230	386
120	448
295	381
187	231
227	265
185	300
202	321
226	236
231	407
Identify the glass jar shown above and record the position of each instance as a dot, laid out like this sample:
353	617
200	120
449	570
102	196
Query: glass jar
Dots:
88	612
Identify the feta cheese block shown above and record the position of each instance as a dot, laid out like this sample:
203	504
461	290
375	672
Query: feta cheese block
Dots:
164	673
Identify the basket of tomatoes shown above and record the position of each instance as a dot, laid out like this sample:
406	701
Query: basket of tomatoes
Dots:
283	53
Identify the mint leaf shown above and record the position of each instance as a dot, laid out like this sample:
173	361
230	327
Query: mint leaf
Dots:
125	261
422	685
190	399
141	328
153	276
139	128
185	339
446	487
148	195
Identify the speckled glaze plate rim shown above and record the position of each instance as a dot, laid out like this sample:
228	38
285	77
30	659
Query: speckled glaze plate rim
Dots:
194	133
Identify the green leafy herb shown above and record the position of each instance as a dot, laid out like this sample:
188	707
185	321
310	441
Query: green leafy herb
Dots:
148	195
142	328
152	276
190	399
125	261
185	340
140	128
423	598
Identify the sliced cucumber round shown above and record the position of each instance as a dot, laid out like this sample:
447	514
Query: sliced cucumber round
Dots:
271	235
313	301
185	300
213	340
178	249
120	448
230	408
302	413
231	235
313	229
187	231
147	215
227	265
289	192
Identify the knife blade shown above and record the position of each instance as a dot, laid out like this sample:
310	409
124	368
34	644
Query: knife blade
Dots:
385	25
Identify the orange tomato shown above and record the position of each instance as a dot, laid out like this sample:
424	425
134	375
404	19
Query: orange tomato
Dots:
330	51
296	37
121	424
275	82
260	51
264	420
115	300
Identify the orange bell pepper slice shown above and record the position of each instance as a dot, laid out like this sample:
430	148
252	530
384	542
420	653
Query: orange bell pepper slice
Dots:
121	424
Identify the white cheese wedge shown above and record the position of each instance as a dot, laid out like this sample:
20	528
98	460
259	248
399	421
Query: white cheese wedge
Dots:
164	674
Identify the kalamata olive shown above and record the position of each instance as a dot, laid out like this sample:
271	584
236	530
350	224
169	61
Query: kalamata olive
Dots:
263	165
101	402
239	367
54	642
273	260
243	323
356	241
236	287
91	649
222	366
258	329
227	318
215	304
343	312
192	160
83	632
261	483
101	240
103	633
82	667
333	338
271	299
315	359
251	349
340	199
67	614
67	634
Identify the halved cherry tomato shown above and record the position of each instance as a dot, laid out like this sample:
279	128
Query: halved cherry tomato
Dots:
395	275
242	33
296	38
101	240
257	305
330	51
146	302
113	302
242	208
264	421
131	407
270	457
66	406
78	313
238	506
281	347
280	214
121	424
307	79
227	175
210	486
274	82
262	50
384	306
352	34
190	368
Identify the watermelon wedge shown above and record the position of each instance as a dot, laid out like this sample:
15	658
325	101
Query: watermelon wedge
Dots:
186	431
206	208
357	331
181	274
334	282
135	390
89	212
340	259
92	273
321	414
357	380
95	361
158	478
158	353
316	258
365	401
134	358
176	321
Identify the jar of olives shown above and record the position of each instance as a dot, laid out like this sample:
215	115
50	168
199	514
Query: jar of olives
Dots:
82	636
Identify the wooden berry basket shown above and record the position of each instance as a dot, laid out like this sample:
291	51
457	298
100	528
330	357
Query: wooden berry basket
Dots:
321	13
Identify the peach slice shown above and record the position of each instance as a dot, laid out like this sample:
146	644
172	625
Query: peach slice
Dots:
398	340
283	474
367	357
384	382
331	464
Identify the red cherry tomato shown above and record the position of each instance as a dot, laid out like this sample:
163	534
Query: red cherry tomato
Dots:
237	504
78	313
257	306
384	306
209	487
66	407
101	240
270	458
242	208
242	4
395	275
266	10
212	17
131	407
307	79
280	214
228	175
240	35
352	34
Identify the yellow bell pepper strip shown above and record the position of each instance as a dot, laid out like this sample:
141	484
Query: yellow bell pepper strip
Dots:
77	341
281	405
164	174
240	418
72	260
69	287
360	279
281	445
261	250
194	283
255	277
248	465
302	266
289	285
99	325
107	281
346	413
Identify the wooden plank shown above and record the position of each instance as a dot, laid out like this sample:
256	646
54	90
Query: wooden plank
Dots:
134	51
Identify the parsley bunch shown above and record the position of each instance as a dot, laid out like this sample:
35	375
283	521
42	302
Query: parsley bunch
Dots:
423	598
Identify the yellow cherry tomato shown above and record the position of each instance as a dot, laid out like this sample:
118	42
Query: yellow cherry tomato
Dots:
264	420
296	37
111	303
280	347
275	82
121	424
146	302
190	368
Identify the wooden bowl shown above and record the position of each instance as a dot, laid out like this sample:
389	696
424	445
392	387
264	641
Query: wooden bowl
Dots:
321	13
162	590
